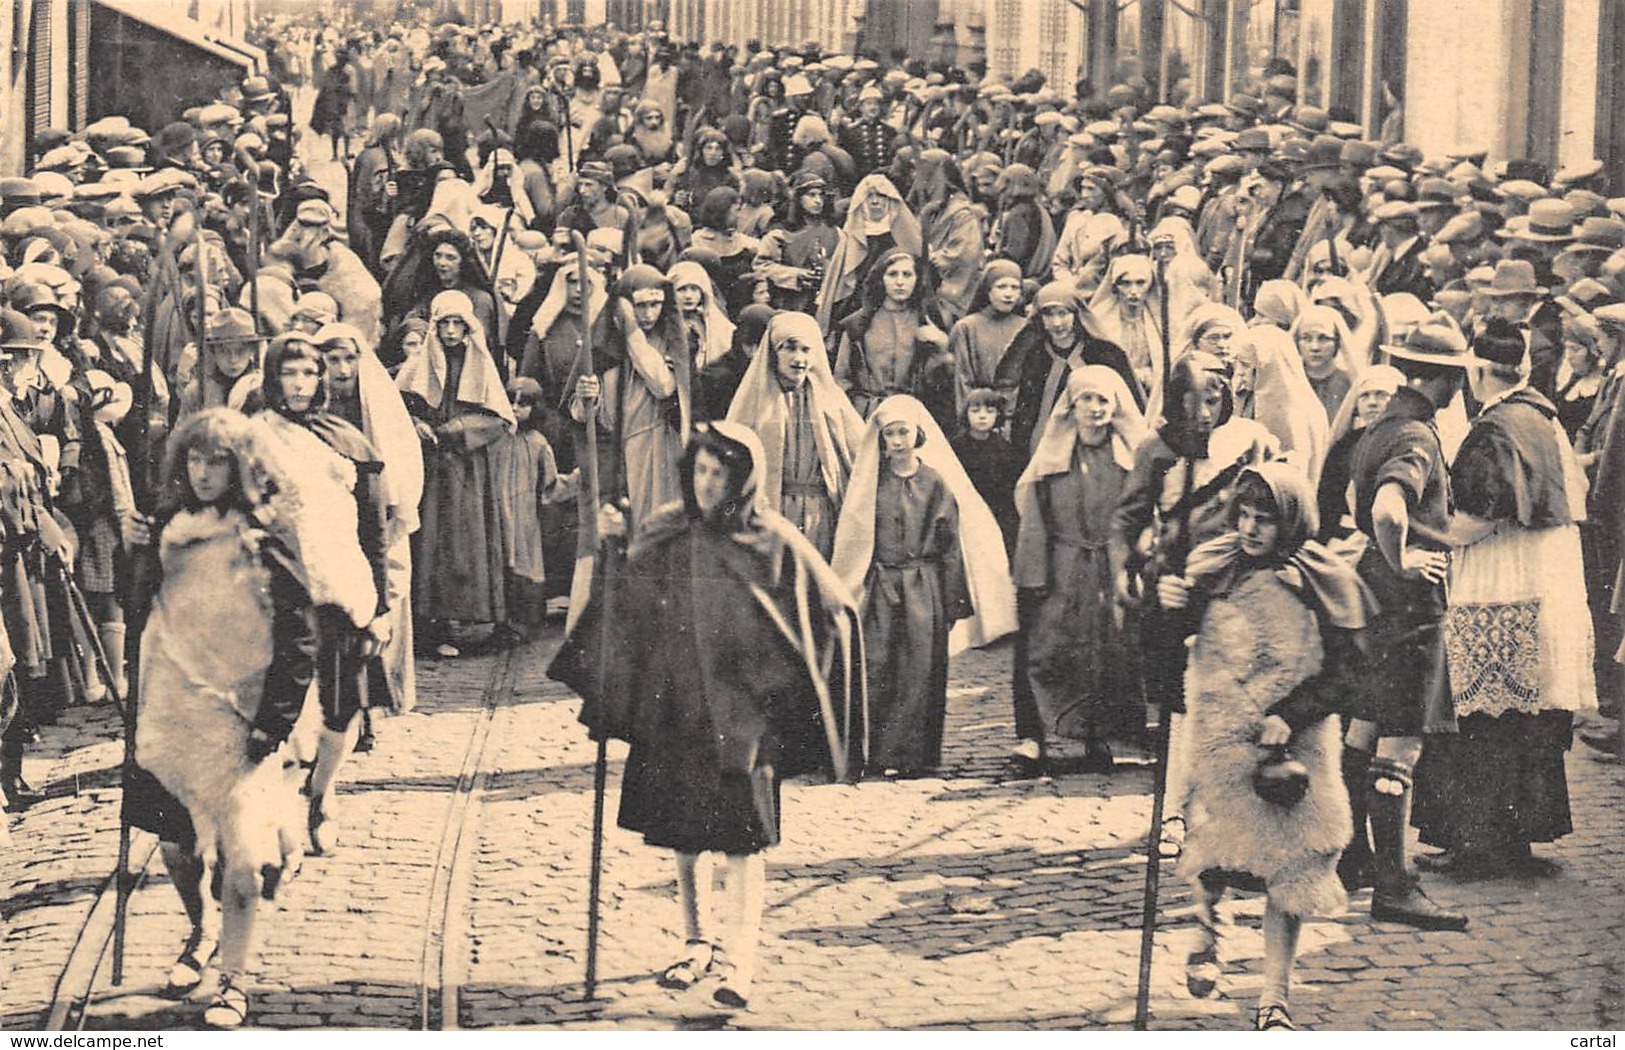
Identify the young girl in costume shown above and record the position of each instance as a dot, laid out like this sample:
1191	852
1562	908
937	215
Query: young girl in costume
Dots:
921	550
227	656
1278	647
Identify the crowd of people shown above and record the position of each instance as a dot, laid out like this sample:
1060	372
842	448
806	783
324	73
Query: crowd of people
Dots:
1226	409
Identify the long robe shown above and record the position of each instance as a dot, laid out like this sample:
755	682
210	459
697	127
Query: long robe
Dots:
459	564
690	655
915	589
1075	672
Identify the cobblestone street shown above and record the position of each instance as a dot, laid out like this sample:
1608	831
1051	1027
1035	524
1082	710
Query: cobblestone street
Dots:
973	899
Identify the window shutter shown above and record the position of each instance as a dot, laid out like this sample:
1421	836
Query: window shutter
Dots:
39	70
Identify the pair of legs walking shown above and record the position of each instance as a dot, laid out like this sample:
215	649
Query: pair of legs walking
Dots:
745	881
1281	930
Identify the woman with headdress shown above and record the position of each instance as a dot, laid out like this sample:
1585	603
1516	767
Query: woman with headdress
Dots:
710	164
1092	232
1126	310
644	377
220	692
1277	649
895	343
1324	345
1366	400
708	332
716	229
455	395
809	430
979	340
953	237
1074	674
921	550
794	255
729	656
1023	231
877	220
550	350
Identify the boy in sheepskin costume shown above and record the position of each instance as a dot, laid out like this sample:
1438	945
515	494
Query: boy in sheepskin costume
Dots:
1275	656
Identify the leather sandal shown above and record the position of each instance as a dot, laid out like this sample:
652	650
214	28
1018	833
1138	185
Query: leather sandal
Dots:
1273	1018
1171	843
686	972
187	973
229	1008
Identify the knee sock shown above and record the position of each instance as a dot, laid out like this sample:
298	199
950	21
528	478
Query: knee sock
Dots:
747	877
694	894
1390	812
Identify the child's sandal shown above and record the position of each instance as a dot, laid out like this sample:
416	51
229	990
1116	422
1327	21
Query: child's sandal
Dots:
686	972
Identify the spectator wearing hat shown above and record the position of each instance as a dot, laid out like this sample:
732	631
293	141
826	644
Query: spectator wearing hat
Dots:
779	151
869	139
1396	265
1401	499
1323	218
1515	295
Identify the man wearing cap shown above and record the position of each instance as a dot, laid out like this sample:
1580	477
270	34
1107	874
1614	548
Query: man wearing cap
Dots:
229	363
869	139
1396	265
1515	295
1401	490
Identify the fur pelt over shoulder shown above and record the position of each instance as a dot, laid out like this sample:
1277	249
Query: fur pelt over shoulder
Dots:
1256	645
204	654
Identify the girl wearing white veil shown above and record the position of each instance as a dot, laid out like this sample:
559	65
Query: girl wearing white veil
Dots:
810	432
876	219
1073	668
1127	310
921	549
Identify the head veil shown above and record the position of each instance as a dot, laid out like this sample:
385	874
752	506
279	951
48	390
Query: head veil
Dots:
385	423
719	331
981	545
852	247
761	403
1287	406
1053	455
480	384
558	296
1326	582
1105	318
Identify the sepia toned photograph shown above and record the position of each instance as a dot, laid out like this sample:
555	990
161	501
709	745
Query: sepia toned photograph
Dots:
811	515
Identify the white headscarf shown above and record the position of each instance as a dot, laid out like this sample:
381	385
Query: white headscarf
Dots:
719	331
1053	454
479	385
761	403
852	246
385	422
981	544
558	296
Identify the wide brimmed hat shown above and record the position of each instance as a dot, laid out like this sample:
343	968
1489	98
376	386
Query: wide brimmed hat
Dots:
1514	277
1434	342
257	89
1549	220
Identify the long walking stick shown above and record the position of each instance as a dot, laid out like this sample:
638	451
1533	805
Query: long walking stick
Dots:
588	523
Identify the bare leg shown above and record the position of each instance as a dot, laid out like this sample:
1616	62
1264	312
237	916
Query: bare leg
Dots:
1281	930
239	906
186	873
1202	964
747	882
